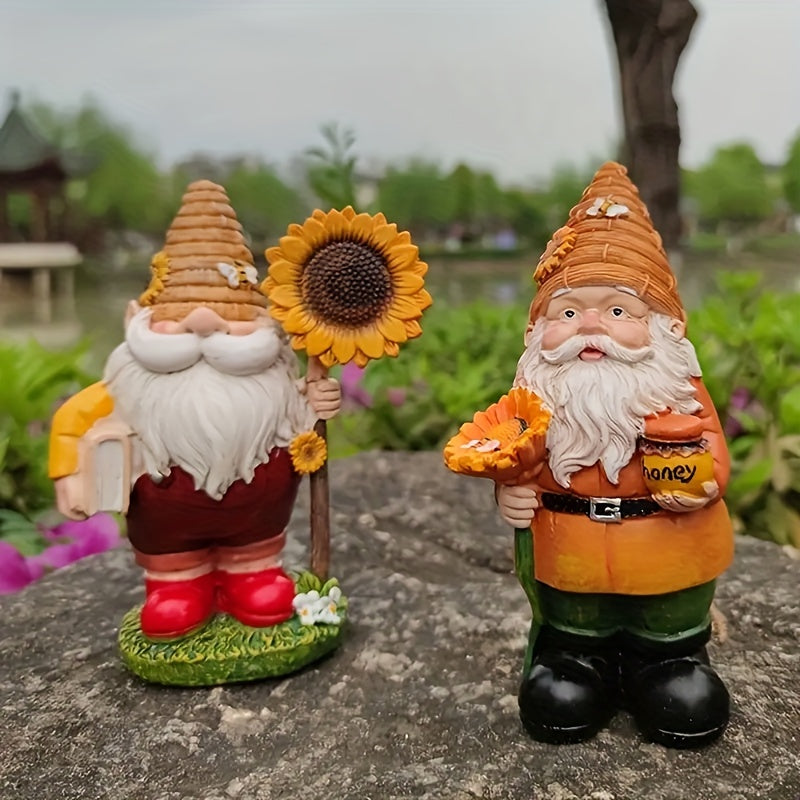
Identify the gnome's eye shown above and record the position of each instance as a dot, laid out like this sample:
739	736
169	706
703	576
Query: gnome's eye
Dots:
568	313
617	311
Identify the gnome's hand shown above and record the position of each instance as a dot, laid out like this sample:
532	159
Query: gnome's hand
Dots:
69	496
517	504
324	396
681	503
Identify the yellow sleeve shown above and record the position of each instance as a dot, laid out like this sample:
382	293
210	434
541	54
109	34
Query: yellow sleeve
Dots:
72	421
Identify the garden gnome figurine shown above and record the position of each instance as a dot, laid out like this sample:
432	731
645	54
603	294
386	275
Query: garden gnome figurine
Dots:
203	402
629	528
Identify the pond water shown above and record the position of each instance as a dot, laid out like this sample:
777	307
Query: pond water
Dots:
97	309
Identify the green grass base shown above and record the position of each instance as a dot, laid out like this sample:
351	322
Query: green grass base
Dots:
225	651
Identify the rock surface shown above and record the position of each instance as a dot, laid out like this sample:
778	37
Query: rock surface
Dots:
420	701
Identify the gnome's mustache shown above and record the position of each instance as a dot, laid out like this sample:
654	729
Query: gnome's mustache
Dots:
575	345
174	352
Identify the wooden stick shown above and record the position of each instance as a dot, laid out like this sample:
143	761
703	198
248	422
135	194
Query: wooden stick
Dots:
320	498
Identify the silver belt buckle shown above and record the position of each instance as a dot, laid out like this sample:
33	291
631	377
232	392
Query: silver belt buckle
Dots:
605	509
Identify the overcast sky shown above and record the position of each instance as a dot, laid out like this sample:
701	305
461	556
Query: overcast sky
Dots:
516	86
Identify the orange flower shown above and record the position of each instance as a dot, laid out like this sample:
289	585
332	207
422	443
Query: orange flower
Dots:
308	451
505	443
560	244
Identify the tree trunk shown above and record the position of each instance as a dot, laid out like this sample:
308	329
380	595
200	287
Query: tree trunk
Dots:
650	36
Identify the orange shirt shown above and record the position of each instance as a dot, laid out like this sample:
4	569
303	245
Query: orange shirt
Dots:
663	552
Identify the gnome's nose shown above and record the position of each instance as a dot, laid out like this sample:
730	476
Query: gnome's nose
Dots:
203	322
591	322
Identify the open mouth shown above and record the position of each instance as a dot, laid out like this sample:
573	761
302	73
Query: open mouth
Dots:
591	354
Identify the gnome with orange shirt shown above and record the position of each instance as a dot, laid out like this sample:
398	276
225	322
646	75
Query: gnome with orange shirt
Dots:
626	553
202	401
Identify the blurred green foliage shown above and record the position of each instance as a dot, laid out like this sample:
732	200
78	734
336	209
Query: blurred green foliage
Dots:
34	382
748	341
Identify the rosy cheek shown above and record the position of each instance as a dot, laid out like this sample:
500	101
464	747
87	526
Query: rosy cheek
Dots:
165	326
630	335
242	328
556	333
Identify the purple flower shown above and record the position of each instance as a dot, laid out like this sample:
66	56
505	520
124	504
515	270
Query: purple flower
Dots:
71	541
16	571
75	540
396	397
353	393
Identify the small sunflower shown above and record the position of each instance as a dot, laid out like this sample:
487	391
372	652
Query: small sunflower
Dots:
506	442
159	269
346	286
562	241
308	451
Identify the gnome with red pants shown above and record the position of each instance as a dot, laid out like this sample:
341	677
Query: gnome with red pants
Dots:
204	393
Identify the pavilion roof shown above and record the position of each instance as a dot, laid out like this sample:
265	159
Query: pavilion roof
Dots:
23	147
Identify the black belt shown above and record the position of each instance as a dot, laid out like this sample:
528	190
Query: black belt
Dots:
600	509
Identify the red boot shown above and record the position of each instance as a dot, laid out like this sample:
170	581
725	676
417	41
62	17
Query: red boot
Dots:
259	598
174	609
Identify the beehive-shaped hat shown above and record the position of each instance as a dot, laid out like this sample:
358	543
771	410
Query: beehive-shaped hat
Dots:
205	261
609	240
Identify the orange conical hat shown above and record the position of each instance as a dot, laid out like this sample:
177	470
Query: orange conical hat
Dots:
609	240
205	261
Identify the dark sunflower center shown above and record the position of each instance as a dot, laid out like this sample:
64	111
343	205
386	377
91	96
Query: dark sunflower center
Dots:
347	283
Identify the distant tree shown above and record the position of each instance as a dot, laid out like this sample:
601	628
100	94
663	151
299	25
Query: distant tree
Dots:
650	36
563	192
417	196
731	187
264	204
331	170
527	215
124	189
791	176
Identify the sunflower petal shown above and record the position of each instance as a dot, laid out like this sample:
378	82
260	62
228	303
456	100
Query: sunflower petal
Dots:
318	340
360	359
407	283
403	238
298	320
348	212
402	256
380	219
285	294
295	230
283	271
413	328
295	249
363	226
392	349
273	254
279	313
384	235
314	232
328	359
336	224
370	341
392	328
319	215
343	347
423	298
404	307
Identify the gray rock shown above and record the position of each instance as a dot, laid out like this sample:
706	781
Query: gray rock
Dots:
420	701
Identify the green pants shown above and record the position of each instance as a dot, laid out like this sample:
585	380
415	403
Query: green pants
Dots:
661	617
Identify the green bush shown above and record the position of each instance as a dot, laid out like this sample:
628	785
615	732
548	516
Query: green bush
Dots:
34	381
748	342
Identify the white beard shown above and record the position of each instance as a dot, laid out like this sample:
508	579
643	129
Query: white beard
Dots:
599	407
216	426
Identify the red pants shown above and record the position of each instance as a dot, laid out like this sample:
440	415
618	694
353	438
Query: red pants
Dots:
173	517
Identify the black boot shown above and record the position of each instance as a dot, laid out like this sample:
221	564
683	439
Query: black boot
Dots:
673	693
571	689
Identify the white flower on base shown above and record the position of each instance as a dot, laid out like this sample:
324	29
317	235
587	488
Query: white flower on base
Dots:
311	608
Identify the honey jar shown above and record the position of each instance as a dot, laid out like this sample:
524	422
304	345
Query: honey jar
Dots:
675	457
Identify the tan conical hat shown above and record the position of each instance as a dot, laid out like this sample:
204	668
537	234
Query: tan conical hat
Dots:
609	240
205	261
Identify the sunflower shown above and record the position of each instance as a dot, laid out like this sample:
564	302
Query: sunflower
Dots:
308	451
346	286
506	442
